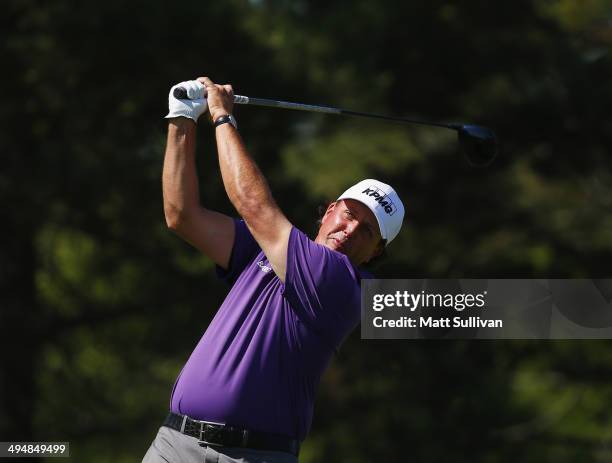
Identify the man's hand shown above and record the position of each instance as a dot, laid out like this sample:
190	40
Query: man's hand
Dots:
191	108
220	98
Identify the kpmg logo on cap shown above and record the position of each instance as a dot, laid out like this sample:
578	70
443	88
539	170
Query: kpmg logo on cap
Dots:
381	198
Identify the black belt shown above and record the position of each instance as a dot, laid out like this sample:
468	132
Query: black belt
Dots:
230	436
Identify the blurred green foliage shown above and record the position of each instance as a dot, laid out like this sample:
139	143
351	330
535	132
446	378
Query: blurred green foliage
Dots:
101	304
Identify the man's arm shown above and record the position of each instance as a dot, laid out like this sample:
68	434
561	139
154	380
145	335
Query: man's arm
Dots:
246	186
209	231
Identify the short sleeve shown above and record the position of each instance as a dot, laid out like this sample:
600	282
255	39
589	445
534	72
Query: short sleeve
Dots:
322	287
244	249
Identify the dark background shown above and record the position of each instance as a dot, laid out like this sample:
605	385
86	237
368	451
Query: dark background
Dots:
100	305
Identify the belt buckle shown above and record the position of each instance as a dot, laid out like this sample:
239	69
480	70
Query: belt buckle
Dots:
213	430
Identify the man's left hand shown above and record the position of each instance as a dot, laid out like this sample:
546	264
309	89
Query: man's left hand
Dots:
192	107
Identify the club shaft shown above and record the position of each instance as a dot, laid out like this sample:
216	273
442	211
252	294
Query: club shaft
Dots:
240	99
181	93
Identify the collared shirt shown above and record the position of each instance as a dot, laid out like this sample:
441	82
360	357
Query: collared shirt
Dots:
259	362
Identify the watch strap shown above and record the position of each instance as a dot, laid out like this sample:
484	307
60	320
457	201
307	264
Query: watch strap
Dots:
225	119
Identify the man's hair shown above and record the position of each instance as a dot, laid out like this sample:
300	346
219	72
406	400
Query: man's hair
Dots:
373	262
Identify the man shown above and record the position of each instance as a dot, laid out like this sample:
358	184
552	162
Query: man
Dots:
247	391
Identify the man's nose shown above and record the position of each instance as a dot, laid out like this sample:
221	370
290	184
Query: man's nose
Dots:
351	227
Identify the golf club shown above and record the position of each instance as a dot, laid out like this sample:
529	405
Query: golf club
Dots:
479	144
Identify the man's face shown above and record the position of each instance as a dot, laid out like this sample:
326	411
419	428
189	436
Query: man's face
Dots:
350	227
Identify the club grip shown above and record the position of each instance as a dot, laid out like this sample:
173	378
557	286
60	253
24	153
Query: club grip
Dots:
180	93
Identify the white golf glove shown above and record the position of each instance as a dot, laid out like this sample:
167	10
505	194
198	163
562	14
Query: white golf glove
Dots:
193	107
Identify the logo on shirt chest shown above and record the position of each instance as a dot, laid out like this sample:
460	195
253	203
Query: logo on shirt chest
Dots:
264	268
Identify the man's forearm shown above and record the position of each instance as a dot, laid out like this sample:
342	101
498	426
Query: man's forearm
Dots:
179	179
244	183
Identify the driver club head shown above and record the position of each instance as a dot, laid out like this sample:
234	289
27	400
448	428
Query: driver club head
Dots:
479	144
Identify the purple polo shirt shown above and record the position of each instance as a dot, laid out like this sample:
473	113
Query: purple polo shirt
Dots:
259	362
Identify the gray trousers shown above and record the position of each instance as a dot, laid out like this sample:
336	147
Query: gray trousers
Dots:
171	446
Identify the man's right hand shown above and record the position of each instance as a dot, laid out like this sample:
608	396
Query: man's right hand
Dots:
220	98
193	107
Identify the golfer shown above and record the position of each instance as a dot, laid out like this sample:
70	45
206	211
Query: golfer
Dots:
246	393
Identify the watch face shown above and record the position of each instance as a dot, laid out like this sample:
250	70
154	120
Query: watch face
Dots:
232	120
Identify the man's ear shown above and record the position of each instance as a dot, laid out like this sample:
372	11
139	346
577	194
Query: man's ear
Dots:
329	210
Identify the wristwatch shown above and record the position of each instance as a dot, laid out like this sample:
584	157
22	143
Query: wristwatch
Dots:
227	118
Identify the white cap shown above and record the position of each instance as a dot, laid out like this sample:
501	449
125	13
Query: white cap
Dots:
383	201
